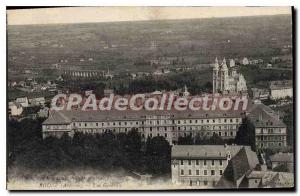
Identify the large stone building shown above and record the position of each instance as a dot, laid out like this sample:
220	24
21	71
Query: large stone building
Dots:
281	89
270	131
204	165
169	124
227	81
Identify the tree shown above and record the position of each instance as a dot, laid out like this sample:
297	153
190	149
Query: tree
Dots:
158	156
281	168
246	134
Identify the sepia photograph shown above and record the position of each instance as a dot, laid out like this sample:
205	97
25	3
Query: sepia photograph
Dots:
150	98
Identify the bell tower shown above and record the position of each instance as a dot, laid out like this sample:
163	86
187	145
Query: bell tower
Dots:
216	76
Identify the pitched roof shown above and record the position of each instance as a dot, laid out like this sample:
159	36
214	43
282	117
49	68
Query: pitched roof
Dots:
99	115
263	116
273	179
243	162
204	151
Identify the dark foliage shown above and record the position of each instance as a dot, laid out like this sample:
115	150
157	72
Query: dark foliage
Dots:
246	134
105	152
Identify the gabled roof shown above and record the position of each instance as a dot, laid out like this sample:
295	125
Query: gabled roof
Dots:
204	151
263	116
243	162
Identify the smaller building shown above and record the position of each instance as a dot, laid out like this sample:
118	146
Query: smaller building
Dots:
38	101
23	101
14	109
269	179
260	93
281	89
245	61
283	159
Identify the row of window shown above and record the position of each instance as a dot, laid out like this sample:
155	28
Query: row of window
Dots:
120	123
271	144
270	138
224	120
220	133
197	162
205	172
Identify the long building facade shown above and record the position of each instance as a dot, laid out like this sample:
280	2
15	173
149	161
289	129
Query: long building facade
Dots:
169	124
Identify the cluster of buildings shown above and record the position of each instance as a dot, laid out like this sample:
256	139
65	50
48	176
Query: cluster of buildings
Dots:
30	85
201	166
224	167
16	107
280	89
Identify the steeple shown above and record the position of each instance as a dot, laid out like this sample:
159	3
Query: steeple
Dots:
216	65
224	66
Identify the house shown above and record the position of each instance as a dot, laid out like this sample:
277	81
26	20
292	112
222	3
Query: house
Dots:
260	93
245	61
23	101
281	89
43	113
14	109
285	159
203	166
38	101
268	179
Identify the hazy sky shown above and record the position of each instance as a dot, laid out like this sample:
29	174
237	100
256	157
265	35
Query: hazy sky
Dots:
109	14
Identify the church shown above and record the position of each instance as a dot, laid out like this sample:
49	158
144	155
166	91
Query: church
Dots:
227	81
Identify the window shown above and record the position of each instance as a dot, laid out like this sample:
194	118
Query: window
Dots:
197	172
181	162
221	172
190	172
205	182
97	124
220	162
204	162
212	162
166	135
85	124
190	162
205	172
197	162
182	172
212	172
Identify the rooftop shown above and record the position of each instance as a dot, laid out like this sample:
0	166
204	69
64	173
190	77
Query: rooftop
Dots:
205	151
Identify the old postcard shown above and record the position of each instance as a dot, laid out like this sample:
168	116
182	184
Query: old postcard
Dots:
150	98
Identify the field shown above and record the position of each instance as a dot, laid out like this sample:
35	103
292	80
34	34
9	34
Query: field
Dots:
129	46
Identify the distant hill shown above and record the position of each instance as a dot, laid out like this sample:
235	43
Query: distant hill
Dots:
119	45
